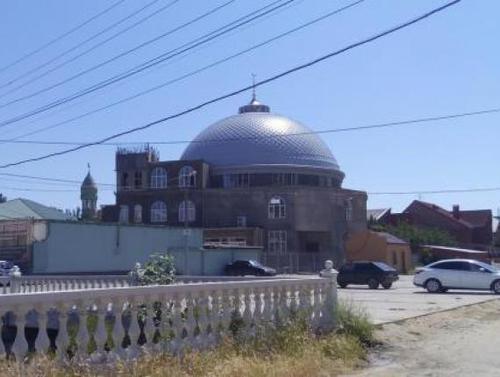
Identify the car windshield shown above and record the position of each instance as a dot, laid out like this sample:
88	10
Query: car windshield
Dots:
384	266
255	263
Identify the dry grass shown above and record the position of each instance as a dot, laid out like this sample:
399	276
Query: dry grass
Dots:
291	351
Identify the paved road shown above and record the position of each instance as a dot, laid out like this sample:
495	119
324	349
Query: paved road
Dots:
404	300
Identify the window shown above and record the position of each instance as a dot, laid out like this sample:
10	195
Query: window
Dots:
284	179
138	179
235	180
123	214
276	241
187	177
276	208
158	178
124	180
241	221
159	212
137	214
348	210
187	211
458	266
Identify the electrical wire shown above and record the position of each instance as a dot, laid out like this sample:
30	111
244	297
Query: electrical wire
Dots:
239	91
407	122
187	75
92	48
140	68
50	179
57	39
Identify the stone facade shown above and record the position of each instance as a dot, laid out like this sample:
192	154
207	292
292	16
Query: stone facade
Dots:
253	170
314	225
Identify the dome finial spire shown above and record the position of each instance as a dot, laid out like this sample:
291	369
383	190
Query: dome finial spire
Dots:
254	106
254	97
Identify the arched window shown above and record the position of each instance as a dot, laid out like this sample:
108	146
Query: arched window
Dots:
159	178
187	177
187	211
137	214
276	208
159	212
123	214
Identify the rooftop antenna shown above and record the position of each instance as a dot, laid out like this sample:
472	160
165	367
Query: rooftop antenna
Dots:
253	87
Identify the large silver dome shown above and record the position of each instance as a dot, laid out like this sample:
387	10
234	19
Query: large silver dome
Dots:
256	137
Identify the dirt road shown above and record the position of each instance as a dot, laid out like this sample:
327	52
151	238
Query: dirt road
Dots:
460	342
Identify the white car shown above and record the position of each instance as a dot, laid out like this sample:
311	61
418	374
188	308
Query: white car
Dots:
458	274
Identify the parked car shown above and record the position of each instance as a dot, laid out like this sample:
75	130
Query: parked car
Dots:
5	267
458	274
367	273
248	267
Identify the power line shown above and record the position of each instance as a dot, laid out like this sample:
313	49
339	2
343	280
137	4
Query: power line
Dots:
37	190
187	75
276	136
94	36
142	67
239	91
57	39
449	191
49	179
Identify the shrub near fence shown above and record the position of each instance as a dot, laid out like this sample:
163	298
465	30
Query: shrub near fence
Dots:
122	322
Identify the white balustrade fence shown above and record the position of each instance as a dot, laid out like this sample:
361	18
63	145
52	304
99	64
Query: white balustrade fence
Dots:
122	322
54	283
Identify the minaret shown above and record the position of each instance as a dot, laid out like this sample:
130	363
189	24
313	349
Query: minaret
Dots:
88	195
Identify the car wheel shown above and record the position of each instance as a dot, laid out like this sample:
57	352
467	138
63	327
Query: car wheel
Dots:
433	286
496	287
373	283
386	285
342	285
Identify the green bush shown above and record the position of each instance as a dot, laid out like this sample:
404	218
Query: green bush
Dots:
159	269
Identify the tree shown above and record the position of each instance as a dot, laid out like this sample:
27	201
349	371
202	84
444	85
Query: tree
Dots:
3	198
418	237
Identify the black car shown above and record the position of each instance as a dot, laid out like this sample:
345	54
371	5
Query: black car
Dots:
248	267
371	273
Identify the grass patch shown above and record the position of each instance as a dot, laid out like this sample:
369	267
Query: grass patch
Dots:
291	350
354	321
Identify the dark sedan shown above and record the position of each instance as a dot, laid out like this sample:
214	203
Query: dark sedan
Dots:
248	267
372	274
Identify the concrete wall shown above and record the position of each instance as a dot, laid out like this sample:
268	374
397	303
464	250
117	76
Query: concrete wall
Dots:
212	261
81	247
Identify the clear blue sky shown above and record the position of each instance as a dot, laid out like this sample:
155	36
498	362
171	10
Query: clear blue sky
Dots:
449	63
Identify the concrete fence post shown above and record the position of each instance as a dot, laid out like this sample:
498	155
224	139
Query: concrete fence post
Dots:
15	279
328	318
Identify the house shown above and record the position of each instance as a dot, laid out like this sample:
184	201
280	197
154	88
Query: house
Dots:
471	229
20	221
22	209
379	246
380	215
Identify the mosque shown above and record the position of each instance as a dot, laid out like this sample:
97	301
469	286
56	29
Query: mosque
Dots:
252	179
